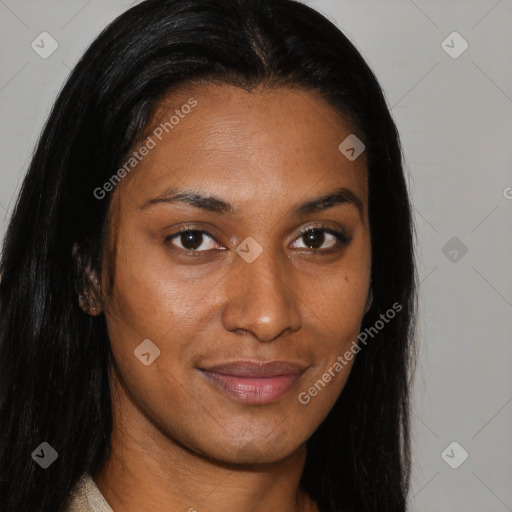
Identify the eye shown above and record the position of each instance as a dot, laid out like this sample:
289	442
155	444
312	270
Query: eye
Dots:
199	241
193	240
315	237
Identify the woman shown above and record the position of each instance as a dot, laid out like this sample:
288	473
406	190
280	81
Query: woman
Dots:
208	283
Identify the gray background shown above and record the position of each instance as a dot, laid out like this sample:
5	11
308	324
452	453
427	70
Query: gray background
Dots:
454	117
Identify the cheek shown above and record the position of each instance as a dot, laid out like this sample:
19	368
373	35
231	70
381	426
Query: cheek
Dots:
338	292
148	315
337	326
337	302
151	300
150	297
160	391
336	309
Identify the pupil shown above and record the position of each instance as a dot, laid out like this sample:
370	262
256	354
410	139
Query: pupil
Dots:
314	238
191	239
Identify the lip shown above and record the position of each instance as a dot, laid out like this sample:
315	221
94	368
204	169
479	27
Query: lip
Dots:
255	382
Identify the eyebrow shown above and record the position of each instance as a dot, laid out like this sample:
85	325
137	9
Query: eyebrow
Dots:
209	203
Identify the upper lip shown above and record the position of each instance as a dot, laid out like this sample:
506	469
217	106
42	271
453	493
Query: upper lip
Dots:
257	368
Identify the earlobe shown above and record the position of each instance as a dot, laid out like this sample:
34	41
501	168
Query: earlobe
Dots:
87	305
87	284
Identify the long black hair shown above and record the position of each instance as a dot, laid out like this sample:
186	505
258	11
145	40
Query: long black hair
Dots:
54	358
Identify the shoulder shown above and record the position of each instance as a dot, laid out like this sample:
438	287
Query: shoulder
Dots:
86	497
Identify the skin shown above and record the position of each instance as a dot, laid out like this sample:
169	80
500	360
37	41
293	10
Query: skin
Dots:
186	443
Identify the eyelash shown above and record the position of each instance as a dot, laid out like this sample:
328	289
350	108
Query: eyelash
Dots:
342	240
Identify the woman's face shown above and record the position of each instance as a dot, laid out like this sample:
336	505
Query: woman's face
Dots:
242	285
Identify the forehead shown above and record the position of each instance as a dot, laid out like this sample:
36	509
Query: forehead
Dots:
262	145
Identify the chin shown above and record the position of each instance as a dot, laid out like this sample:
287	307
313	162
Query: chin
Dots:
257	451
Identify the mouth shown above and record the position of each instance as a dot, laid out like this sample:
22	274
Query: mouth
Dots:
255	382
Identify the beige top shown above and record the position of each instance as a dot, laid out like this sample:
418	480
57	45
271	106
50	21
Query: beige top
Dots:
86	497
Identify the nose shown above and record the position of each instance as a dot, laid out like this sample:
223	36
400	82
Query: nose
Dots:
261	300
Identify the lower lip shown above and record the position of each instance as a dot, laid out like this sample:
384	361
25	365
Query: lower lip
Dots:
253	390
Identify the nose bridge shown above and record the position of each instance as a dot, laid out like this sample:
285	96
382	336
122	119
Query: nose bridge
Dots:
262	301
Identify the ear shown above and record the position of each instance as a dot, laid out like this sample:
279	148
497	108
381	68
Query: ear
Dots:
87	283
369	301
